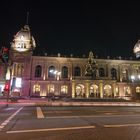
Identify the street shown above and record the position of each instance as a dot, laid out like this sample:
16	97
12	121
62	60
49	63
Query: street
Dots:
69	123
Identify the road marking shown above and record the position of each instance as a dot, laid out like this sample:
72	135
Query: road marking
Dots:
121	125
39	113
91	116
10	108
9	119
52	129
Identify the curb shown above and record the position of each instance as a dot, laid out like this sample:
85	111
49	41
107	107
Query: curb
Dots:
55	103
63	103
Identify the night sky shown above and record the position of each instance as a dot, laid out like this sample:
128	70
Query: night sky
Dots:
74	27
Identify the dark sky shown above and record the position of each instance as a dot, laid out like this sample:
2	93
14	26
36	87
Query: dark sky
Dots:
74	27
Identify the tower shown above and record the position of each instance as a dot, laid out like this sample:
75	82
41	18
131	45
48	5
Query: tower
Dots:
21	52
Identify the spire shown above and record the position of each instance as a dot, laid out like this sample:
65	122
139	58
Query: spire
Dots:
27	18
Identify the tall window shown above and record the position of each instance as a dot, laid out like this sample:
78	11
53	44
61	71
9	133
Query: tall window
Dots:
101	72
137	89
36	88
127	91
38	71
64	72
77	71
64	89
51	88
50	72
124	75
113	73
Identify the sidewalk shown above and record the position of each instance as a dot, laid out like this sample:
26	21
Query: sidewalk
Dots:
35	102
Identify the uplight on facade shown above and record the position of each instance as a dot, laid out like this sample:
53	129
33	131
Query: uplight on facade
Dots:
18	82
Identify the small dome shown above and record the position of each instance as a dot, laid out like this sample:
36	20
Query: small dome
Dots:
136	49
23	41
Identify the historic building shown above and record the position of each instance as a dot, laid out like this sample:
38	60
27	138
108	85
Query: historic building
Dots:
85	77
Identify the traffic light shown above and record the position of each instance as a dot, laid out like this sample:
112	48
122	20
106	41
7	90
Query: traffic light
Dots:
7	86
5	54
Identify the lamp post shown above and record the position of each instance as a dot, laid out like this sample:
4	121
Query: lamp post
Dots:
8	82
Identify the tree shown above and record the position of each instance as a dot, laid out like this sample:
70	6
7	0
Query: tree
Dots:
91	67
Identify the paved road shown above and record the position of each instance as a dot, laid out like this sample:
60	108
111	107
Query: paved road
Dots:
69	123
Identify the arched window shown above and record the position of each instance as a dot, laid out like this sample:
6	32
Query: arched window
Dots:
77	71
101	72
38	71
113	73
51	72
124	75
64	72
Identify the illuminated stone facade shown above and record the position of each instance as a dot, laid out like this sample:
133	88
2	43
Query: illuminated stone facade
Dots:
85	77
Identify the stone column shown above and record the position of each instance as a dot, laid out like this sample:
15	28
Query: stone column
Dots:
73	89
87	89
101	89
114	88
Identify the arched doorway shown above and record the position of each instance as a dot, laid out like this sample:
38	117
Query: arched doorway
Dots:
107	91
94	91
80	92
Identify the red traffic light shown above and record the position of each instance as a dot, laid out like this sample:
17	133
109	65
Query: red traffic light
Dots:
7	86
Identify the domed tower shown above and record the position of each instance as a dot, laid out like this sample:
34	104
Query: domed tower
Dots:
21	52
136	49
23	41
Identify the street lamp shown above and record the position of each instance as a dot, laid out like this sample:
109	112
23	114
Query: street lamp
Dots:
56	73
132	78
139	77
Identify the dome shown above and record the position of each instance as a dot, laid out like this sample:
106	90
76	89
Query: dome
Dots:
23	41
